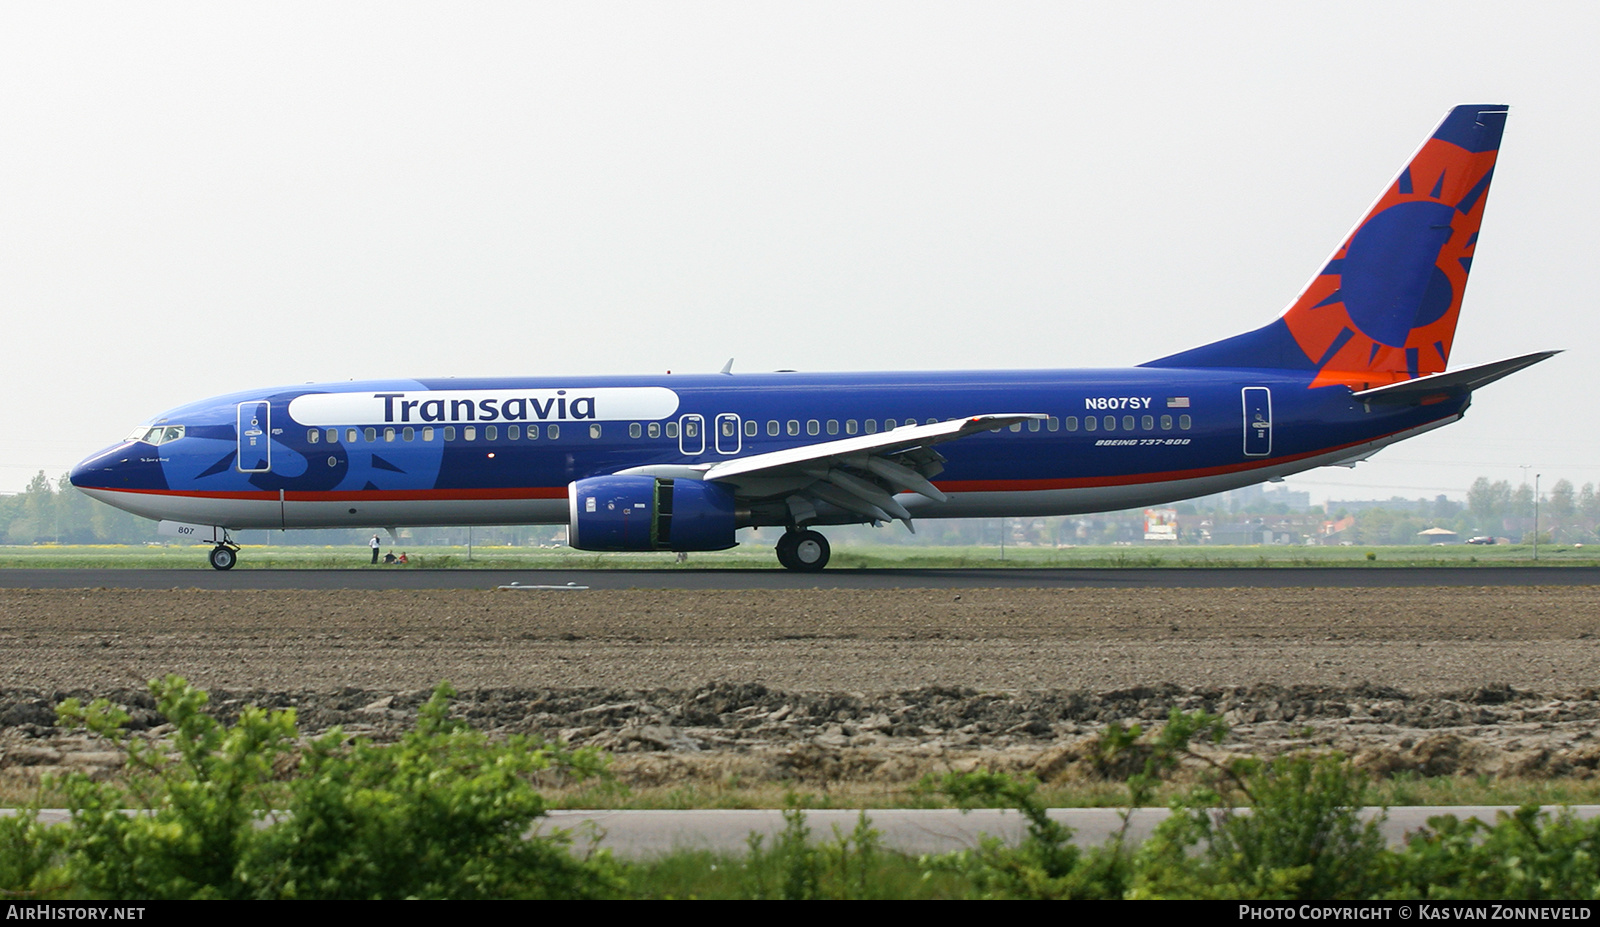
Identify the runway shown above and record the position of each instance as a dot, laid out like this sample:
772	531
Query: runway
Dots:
701	580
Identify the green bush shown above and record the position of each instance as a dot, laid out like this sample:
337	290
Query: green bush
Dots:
1301	837
793	868
1527	856
443	813
28	856
249	811
1046	864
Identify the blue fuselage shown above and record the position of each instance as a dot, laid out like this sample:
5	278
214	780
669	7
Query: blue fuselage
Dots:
503	451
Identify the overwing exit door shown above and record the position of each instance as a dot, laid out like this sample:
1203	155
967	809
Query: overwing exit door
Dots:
1257	421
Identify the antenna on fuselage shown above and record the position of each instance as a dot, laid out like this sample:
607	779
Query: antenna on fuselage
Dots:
728	367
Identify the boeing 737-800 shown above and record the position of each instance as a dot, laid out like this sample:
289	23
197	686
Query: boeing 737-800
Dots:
681	463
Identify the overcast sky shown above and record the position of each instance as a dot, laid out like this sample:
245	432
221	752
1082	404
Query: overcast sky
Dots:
201	198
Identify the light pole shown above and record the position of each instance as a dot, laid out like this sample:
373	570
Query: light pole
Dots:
1536	516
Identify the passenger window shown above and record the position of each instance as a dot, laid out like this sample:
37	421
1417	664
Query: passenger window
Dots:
1110	423
313	436
1183	422
772	429
653	429
1016	426
1072	423
1054	423
1166	423
408	433
491	432
872	426
351	436
1127	423
594	430
388	435
751	428
533	432
449	432
813	427
427	432
672	429
794	427
931	421
888	424
555	432
469	432
333	436
1090	423
1033	424
833	426
850	426
634	430
513	432
371	434
1148	423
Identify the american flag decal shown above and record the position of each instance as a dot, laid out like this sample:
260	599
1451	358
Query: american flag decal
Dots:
1177	402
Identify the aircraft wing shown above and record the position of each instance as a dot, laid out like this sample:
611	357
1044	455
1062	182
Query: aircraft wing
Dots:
860	474
1443	385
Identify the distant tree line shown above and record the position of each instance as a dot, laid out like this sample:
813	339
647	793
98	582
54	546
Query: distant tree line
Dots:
44	514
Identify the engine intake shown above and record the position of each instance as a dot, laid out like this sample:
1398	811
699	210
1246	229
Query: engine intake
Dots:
649	513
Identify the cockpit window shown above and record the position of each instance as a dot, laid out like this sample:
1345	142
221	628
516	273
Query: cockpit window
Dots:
159	434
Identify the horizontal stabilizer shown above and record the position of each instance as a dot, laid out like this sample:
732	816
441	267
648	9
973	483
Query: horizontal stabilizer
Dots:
1445	385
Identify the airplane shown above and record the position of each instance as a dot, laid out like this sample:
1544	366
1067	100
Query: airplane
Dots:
680	463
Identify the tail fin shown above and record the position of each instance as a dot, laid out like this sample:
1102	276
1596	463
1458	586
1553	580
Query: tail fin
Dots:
1384	308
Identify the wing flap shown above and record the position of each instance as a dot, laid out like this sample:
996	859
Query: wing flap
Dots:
860	475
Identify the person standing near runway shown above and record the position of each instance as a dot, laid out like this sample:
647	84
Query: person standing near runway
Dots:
374	545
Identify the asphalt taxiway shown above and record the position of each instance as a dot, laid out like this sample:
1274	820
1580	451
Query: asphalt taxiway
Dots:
692	580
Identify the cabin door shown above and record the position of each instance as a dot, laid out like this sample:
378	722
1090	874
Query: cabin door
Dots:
255	437
691	435
1257	421
728	436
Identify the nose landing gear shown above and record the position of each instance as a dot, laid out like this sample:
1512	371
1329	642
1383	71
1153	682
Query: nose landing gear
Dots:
803	551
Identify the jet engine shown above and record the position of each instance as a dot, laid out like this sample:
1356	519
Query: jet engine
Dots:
649	513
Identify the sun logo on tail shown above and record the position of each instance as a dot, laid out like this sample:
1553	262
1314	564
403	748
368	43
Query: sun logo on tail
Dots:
1384	309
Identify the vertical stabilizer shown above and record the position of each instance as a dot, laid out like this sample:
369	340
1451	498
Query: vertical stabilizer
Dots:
1384	307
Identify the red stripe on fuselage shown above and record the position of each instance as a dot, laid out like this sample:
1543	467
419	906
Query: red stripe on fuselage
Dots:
367	495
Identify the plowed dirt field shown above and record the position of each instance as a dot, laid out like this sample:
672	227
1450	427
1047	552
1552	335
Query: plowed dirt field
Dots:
840	684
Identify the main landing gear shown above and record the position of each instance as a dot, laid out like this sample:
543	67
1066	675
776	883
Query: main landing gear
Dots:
803	551
225	554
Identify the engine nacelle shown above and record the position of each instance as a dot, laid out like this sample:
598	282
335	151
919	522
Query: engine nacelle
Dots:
649	513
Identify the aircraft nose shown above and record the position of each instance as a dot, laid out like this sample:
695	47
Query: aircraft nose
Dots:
99	470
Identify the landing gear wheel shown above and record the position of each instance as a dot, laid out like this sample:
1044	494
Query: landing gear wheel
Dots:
803	551
785	550
223	558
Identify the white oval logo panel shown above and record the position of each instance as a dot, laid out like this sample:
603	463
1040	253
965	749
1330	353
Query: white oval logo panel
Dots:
485	405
